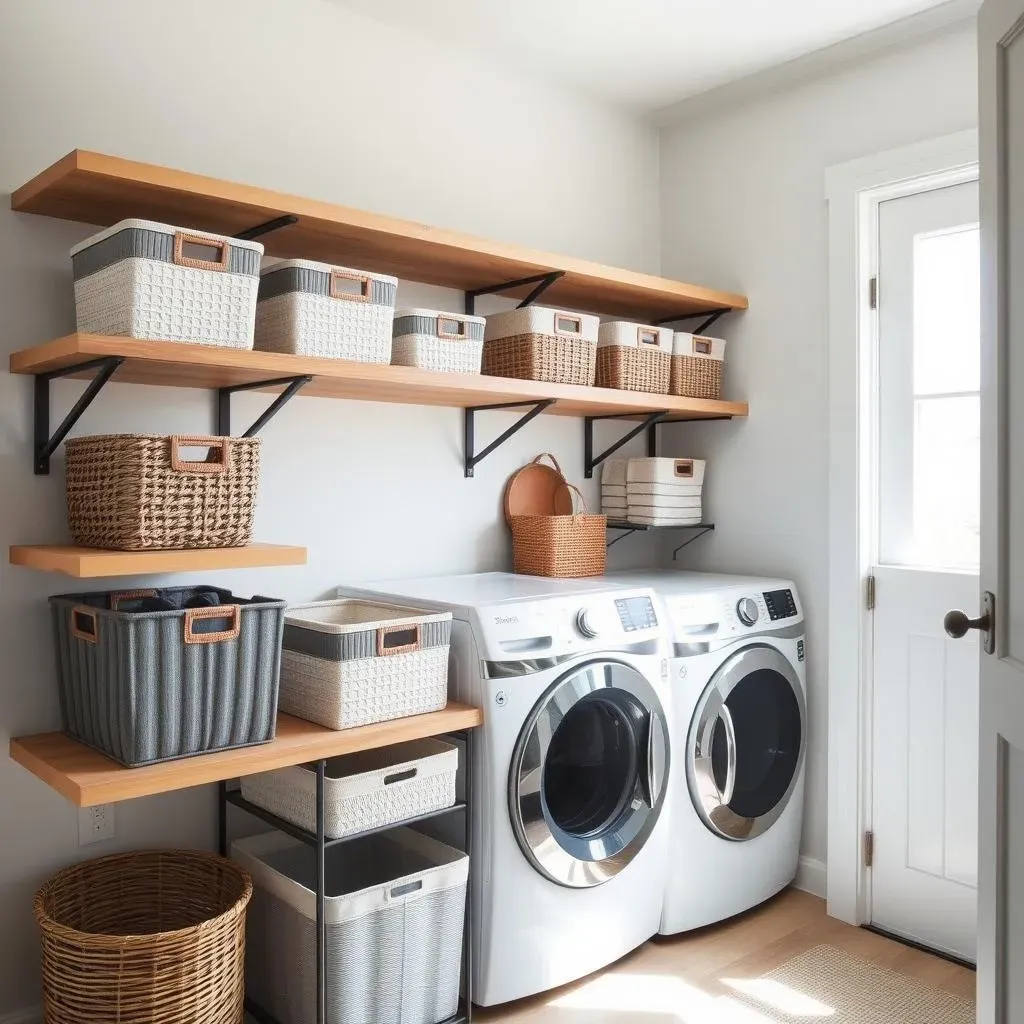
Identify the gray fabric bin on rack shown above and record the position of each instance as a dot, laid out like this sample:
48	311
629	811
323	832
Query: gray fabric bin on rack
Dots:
395	905
152	685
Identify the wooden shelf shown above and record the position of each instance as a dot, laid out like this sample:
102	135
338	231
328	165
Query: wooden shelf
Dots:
87	778
206	366
96	189
90	563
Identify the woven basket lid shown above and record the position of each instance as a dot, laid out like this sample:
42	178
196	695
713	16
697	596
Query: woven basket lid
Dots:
537	490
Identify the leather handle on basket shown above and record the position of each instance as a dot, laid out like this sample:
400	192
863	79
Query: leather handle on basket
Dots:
554	462
82	616
183	238
575	322
180	465
231	612
645	336
460	328
578	497
401	645
702	346
683	467
128	595
363	295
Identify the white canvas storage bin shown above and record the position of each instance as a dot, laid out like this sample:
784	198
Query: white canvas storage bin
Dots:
352	662
315	309
613	473
362	791
663	519
431	340
665	471
141	279
395	905
540	343
633	357
697	364
660	503
643	492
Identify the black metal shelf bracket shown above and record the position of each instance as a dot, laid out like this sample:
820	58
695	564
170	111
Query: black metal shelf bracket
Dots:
45	442
712	316
706	528
590	460
624	531
266	227
292	387
542	281
473	457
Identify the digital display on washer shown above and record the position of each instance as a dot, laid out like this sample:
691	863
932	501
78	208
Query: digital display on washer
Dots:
780	604
636	613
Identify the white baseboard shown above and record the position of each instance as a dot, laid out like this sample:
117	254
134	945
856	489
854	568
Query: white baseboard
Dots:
810	877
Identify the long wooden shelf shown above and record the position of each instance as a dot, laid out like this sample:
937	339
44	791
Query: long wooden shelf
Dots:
87	778
206	366
91	563
95	189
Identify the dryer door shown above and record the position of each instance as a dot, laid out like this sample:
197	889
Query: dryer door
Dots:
589	772
745	747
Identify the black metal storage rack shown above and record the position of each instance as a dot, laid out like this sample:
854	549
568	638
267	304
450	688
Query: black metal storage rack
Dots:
233	797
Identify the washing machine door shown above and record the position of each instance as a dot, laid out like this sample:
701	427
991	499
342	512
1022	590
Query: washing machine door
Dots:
745	746
588	774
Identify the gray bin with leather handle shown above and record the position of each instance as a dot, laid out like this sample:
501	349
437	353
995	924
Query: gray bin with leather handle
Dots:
143	685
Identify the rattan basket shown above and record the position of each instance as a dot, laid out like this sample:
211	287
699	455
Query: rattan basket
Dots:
696	366
633	357
133	492
144	938
536	343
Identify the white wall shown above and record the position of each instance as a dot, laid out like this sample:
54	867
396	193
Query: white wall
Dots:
742	205
304	97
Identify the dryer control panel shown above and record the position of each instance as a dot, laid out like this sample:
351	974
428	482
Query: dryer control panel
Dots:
736	611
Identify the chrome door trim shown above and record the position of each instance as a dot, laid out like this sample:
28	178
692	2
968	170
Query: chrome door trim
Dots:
530	666
708	800
575	861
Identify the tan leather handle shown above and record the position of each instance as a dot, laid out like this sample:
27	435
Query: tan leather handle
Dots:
398	640
84	624
363	295
568	323
128	595
195	262
684	467
460	328
554	462
231	612
645	336
180	465
702	346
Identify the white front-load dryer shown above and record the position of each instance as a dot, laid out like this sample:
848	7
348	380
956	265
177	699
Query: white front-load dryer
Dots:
738	682
571	771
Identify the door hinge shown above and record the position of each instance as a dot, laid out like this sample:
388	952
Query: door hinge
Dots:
873	293
869	593
869	849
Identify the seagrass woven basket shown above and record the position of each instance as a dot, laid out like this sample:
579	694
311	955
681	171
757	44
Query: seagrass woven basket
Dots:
632	357
696	366
144	938
133	492
537	343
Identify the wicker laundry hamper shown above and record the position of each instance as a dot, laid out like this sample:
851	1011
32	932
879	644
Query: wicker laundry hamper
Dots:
546	543
633	357
141	279
696	366
537	343
443	342
133	492
144	938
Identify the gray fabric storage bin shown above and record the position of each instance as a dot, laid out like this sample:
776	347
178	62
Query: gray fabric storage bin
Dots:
144	686
395	905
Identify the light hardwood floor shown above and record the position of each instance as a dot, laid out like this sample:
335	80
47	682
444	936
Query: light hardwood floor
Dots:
745	947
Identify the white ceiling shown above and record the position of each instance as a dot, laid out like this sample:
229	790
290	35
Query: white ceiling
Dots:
645	54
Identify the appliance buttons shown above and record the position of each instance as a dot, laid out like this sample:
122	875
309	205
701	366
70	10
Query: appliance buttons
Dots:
747	611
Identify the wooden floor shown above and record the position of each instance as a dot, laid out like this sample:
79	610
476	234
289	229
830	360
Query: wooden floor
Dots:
745	947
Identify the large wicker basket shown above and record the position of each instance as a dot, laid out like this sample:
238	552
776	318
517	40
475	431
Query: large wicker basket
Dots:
132	492
144	938
696	366
537	343
632	357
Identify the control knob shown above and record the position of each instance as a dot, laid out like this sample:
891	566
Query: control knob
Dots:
587	623
747	611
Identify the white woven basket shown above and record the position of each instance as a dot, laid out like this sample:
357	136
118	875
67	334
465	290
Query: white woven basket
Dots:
394	916
362	791
352	662
315	309
432	340
613	472
665	471
664	519
141	279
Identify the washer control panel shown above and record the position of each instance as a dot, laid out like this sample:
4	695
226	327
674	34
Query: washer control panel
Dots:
780	604
636	613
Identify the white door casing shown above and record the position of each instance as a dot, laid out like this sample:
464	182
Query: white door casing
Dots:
1001	761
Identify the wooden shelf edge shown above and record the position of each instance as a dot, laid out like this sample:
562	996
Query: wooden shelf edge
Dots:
94	563
86	777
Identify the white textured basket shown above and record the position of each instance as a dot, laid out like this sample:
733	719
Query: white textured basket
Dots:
141	279
394	914
362	791
665	471
663	519
657	503
613	473
353	662
641	491
432	340
315	309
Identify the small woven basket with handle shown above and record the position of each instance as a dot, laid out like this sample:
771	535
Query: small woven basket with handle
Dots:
545	543
144	938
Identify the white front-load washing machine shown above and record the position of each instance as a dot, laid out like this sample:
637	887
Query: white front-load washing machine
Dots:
738	696
571	769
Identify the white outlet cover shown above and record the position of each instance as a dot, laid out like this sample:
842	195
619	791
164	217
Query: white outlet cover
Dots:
95	824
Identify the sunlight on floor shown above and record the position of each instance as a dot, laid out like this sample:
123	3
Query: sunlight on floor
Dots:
781	997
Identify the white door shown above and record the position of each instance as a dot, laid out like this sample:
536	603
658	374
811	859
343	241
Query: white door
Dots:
925	706
1001	860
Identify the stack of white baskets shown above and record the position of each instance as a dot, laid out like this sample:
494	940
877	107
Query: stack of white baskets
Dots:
653	492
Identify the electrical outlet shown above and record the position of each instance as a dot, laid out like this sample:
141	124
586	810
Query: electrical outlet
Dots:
95	824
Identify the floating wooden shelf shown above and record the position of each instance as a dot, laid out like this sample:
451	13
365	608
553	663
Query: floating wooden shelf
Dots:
90	563
95	189
88	778
206	366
